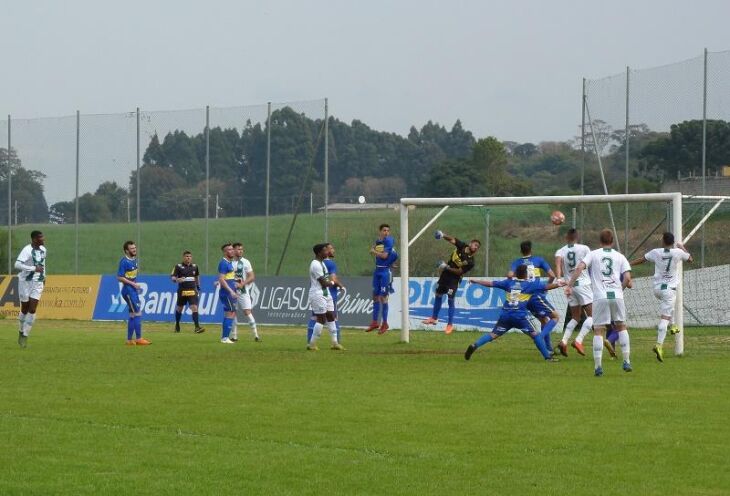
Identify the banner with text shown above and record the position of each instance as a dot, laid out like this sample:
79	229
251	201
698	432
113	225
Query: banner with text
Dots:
276	300
63	297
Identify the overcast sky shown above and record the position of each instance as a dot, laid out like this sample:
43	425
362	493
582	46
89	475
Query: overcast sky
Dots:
511	69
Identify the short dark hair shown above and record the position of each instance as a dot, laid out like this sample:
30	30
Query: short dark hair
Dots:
521	271
127	244
476	241
380	228
606	237
317	249
572	234
237	244
35	234
187	252
526	247
668	238
223	246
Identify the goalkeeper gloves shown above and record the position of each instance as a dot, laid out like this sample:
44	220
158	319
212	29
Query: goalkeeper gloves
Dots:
442	265
438	234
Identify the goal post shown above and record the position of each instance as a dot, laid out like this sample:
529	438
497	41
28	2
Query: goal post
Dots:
406	204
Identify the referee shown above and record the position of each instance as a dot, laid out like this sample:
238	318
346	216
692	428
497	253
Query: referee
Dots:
187	277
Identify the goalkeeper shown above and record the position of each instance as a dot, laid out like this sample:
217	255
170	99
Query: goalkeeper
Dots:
460	262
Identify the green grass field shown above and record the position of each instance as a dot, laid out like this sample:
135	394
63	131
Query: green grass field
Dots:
83	414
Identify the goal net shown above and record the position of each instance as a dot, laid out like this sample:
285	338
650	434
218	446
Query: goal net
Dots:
501	224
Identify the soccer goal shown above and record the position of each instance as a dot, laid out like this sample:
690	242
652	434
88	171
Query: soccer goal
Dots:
637	220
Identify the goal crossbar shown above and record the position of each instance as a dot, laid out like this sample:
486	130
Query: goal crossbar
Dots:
674	198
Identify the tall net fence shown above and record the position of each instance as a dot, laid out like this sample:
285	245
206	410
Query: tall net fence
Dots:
668	125
170	180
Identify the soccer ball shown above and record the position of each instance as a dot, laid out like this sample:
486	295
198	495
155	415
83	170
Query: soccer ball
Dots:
557	217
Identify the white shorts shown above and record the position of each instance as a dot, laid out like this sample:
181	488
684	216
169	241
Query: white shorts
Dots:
666	298
244	301
607	311
321	304
29	289
580	296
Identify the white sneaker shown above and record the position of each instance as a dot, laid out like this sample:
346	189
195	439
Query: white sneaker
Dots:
227	341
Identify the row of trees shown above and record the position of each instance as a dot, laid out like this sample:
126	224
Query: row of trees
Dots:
431	161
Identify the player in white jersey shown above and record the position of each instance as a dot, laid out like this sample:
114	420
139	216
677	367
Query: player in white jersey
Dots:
244	278
666	262
581	298
320	298
610	273
31	263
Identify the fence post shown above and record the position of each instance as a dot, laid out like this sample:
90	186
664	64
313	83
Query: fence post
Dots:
78	144
704	156
268	176
627	140
326	170
582	151
207	185
139	183
10	201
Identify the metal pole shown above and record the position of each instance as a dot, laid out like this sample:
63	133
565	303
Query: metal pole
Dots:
582	151
327	170
627	140
704	156
139	184
486	244
404	331
207	185
268	177
311	203
574	223
679	311
10	201
78	144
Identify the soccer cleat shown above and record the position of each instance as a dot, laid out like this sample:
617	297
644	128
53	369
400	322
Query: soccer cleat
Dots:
627	367
130	342
552	359
312	347
430	321
470	351
578	347
235	340
227	341
611	350
598	372
449	328
177	327
22	340
659	352
563	349
199	330
373	325
673	329
337	346
383	328
257	339
142	342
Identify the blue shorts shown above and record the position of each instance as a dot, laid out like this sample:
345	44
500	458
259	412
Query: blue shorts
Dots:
382	281
539	306
131	297
507	322
228	302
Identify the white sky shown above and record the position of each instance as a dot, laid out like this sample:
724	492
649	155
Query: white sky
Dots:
509	69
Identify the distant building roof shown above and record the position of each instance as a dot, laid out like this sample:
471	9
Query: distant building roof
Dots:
361	206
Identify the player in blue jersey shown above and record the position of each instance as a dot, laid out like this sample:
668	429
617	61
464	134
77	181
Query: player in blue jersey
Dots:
331	266
519	291
127	276
227	294
539	306
385	256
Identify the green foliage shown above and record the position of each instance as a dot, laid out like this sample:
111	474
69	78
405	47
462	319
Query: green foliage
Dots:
27	191
188	415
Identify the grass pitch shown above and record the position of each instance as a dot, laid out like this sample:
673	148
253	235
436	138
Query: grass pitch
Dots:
80	413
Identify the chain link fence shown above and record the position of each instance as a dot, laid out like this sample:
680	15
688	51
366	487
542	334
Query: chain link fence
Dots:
665	125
